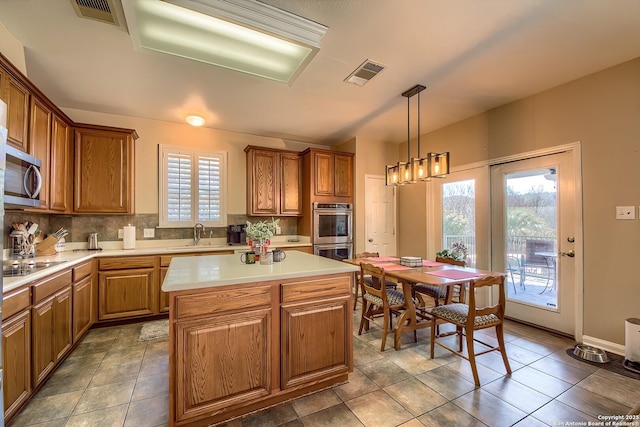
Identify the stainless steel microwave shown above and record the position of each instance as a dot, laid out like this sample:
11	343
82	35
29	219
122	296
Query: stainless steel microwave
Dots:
22	179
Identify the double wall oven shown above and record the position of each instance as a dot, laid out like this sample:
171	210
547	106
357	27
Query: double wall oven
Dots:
333	230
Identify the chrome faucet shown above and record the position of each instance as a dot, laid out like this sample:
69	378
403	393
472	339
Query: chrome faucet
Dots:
198	230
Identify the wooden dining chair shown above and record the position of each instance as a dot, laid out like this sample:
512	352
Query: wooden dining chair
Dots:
378	299
360	278
439	293
467	319
367	278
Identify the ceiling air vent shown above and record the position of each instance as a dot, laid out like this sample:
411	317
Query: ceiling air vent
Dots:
365	72
99	10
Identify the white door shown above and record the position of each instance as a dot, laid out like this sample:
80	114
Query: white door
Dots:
536	239
379	201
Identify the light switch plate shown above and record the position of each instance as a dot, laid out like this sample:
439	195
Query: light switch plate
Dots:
120	233
625	212
149	232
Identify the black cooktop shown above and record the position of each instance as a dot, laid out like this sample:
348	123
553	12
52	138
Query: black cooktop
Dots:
25	267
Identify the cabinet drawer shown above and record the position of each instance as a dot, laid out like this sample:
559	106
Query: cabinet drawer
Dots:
51	285
222	301
82	271
316	289
15	302
116	263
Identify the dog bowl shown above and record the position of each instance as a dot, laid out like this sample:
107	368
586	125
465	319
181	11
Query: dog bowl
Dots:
592	354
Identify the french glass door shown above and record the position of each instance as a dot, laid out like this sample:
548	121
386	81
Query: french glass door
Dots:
535	238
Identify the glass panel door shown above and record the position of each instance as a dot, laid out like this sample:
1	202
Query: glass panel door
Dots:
534	238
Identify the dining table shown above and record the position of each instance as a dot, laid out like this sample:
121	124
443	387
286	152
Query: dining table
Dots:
430	273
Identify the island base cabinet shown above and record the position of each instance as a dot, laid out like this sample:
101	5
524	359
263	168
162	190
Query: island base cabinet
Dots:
16	356
315	344
222	362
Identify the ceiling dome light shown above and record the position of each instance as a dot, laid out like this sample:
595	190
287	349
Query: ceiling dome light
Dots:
195	120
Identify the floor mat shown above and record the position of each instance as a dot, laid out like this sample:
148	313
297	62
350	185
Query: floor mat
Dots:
614	364
154	330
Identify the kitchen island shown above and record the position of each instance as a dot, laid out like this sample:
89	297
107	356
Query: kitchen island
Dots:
247	336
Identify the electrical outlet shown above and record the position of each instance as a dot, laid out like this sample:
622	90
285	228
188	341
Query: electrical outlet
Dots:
278	229
120	233
149	232
625	212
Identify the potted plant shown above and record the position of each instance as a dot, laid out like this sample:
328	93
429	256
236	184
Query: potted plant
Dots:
458	252
259	233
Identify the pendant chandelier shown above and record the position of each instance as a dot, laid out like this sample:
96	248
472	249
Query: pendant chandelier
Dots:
434	165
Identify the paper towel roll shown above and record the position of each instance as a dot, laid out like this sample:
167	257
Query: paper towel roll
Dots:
129	237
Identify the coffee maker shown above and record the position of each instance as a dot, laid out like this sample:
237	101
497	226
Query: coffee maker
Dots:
236	234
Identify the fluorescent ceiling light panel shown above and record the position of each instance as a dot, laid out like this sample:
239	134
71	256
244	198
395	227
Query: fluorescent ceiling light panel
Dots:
242	35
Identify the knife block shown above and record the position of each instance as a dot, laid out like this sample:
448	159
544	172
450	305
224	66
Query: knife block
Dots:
47	246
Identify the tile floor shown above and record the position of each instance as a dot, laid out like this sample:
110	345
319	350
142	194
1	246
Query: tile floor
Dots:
111	379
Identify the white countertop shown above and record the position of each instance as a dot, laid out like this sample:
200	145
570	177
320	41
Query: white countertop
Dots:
219	270
75	253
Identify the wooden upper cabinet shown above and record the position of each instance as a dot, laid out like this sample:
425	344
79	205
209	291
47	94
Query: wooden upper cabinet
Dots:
343	176
324	174
330	175
40	143
17	99
262	182
103	170
273	182
60	172
290	184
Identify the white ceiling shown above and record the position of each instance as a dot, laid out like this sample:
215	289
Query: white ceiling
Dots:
472	56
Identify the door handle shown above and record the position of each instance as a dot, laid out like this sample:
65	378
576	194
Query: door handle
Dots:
370	240
570	254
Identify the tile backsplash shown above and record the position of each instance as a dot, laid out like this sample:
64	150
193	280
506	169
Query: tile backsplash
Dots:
79	226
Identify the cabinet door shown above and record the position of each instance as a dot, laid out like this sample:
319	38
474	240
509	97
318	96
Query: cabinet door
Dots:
325	349
290	188
83	309
263	183
163	297
43	357
126	293
17	114
16	356
103	172
222	361
343	175
62	336
40	143
60	175
323	174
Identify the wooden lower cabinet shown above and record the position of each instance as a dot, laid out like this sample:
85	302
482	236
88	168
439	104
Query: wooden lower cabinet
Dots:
126	293
314	341
16	357
240	348
51	332
222	361
83	303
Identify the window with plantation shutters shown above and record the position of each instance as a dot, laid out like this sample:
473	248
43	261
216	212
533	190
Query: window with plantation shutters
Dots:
192	187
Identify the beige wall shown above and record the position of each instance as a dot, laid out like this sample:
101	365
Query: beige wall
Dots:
603	111
153	132
12	49
371	159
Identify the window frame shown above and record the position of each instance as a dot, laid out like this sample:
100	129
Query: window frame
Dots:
164	151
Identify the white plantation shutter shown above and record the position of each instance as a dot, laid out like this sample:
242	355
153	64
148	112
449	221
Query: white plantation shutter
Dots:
193	187
178	187
209	184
